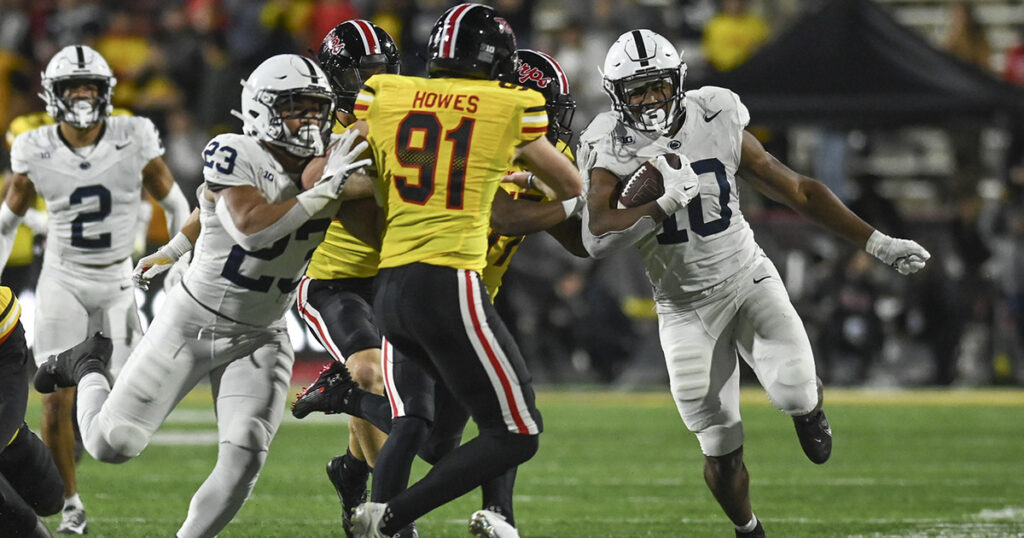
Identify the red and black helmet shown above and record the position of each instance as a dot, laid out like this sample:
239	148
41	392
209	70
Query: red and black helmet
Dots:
472	41
541	72
352	52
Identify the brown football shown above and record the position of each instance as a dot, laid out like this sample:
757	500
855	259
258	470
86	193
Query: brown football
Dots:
645	184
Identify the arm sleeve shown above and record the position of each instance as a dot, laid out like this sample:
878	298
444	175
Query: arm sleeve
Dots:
176	207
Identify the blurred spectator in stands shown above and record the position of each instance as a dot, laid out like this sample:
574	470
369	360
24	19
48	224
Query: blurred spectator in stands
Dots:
184	142
966	38
74	21
16	70
183	49
733	34
324	15
1014	74
852	338
580	54
391	15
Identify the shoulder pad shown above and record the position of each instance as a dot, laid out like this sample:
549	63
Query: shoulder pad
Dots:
602	124
711	99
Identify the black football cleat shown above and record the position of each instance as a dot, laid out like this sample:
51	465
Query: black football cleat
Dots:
758	532
815	436
329	393
351	491
66	368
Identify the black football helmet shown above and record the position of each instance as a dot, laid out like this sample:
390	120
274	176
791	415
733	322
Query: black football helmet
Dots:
541	72
352	52
472	41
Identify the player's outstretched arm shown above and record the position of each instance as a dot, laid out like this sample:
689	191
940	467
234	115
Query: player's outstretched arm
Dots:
21	193
555	172
818	204
159	183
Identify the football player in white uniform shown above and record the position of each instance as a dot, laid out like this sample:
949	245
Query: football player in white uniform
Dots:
717	293
90	168
225	321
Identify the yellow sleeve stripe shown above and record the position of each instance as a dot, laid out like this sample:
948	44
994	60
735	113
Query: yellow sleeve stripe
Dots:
9	318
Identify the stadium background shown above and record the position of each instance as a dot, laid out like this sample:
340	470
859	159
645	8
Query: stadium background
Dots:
950	179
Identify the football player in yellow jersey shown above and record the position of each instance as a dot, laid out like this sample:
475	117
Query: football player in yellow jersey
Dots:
442	145
30	485
335	297
517	210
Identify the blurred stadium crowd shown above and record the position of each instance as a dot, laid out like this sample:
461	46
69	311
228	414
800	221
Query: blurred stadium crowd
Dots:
178	62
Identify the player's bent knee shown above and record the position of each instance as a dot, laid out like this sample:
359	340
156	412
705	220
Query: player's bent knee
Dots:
250	433
795	400
120	444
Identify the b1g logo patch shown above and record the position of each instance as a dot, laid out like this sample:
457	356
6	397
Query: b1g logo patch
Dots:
528	72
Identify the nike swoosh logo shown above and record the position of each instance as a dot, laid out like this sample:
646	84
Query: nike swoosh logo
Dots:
687	188
711	117
119	147
762	279
125	286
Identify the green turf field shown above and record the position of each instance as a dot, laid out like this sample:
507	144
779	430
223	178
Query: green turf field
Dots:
933	463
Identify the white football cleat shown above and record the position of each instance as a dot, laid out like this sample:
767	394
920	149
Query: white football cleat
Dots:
72	520
366	520
488	524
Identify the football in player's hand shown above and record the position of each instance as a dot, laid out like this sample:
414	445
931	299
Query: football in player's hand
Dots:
645	184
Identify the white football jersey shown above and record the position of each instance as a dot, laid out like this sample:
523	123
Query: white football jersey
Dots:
92	194
709	240
256	287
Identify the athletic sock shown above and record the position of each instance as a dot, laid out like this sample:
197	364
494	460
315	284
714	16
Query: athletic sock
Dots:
749	526
73	500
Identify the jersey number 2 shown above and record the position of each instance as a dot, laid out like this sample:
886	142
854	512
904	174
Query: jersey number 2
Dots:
672	234
78	238
422	152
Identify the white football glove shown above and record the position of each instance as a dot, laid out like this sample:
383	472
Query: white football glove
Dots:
340	164
160	261
904	255
681	184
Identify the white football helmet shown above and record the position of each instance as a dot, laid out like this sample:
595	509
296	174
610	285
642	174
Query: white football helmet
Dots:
268	97
72	66
637	59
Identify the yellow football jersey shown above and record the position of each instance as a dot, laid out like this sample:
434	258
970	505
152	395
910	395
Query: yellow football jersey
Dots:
21	250
341	255
441	146
500	248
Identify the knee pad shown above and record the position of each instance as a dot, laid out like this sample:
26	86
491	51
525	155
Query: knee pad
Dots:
794	400
251	433
435	448
720	440
122	443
